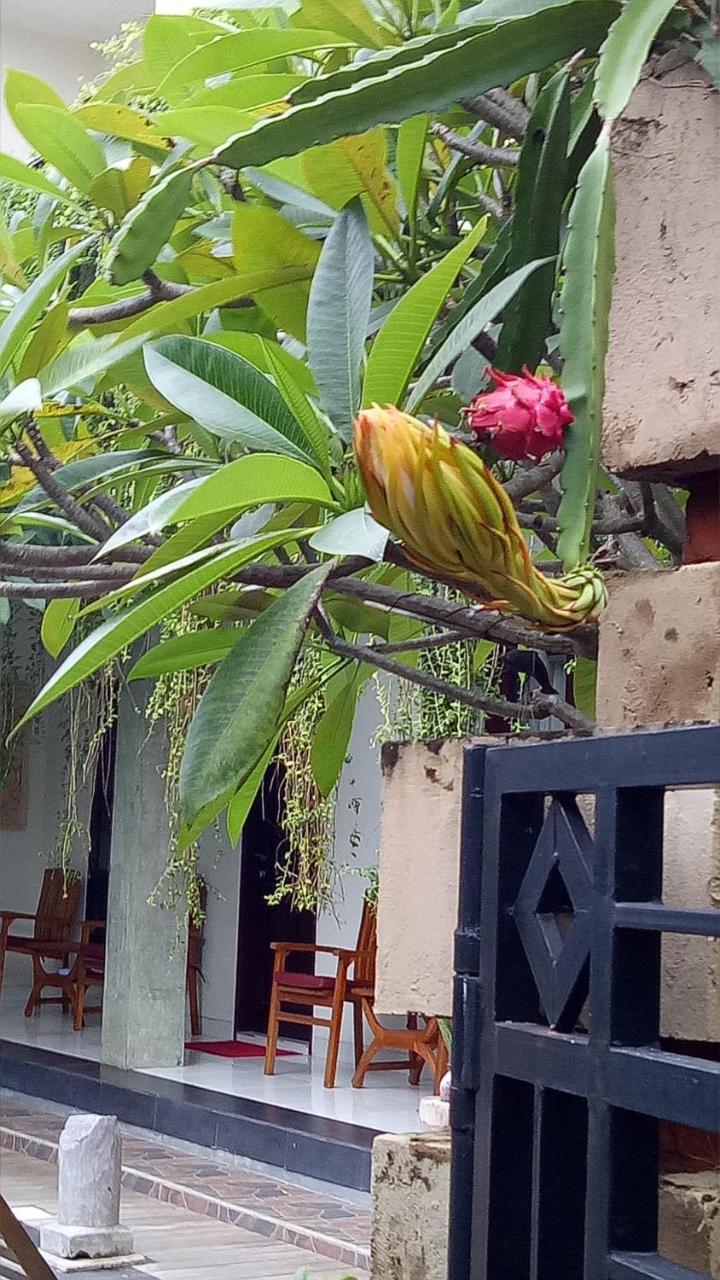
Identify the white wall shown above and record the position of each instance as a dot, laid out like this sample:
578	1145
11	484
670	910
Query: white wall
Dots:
359	785
220	866
51	39
358	811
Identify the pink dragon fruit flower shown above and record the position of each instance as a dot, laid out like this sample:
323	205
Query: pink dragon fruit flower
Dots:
524	418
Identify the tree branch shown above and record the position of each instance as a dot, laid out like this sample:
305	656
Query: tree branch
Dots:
538	706
158	291
422	643
107	313
16	561
476	622
84	520
45	464
29	554
118	516
496	157
462	620
538	522
52	590
501	109
663	519
530	479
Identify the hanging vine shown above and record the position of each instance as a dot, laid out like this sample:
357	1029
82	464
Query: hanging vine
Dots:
174	701
92	712
409	712
306	872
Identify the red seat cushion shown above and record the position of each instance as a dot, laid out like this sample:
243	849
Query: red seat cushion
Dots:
317	982
305	981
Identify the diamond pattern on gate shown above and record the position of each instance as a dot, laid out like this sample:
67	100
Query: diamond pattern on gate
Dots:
552	913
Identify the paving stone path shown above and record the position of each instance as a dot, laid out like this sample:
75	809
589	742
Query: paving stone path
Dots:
327	1230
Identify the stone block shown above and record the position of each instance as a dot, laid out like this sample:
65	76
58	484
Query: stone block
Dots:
690	1008
660	664
411	1207
89	1171
659	657
419	874
86	1242
434	1113
662	402
690	1221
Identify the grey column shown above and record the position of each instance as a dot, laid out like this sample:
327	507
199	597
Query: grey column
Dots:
144	1001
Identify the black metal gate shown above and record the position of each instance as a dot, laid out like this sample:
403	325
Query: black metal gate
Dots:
559	1078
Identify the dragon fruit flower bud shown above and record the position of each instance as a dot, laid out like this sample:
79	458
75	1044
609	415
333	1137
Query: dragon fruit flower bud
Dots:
525	417
456	522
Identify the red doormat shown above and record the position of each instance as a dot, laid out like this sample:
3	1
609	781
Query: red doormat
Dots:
235	1049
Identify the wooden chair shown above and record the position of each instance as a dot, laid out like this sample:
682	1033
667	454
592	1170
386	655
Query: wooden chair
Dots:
81	966
52	921
331	992
87	972
424	1045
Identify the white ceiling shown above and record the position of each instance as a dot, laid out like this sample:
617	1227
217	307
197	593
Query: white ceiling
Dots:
80	20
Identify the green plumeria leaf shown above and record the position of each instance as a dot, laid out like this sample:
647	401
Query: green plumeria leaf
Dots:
241	708
58	624
226	395
332	734
338	315
22	175
185	653
31	306
63	142
474	323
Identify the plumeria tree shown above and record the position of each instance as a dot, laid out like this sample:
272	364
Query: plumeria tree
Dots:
265	223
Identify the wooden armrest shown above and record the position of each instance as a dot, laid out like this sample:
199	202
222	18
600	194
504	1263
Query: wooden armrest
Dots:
16	915
312	948
86	927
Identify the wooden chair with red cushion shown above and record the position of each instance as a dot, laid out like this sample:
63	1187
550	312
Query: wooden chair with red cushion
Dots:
333	992
52	921
88	972
421	1045
78	967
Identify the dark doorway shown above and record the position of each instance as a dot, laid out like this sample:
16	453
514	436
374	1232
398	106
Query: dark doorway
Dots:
101	815
259	923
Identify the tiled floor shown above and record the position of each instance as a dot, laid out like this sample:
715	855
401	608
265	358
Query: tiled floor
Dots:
387	1102
208	1185
178	1244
